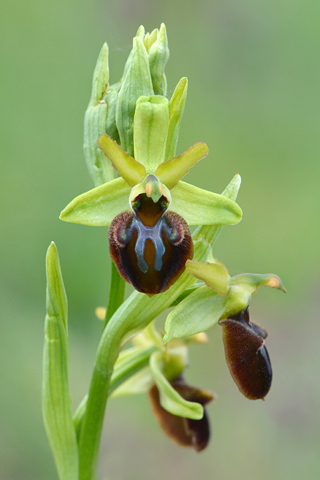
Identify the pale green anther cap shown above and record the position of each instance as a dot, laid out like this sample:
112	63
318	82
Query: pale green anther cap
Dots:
136	82
153	188
151	123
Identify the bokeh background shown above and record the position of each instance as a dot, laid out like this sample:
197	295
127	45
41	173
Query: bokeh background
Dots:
254	97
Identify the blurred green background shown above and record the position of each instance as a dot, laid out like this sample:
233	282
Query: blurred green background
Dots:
254	97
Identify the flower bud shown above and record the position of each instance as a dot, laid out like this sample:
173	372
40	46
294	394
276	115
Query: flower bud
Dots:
246	355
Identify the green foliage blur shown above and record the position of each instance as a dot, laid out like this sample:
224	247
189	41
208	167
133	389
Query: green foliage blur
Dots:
254	76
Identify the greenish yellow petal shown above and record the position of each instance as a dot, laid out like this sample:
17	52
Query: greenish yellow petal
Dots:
127	167
171	171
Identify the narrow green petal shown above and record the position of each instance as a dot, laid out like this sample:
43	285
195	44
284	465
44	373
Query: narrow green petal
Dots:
171	171
201	207
170	399
56	399
214	275
176	109
151	122
98	206
127	167
197	313
136	82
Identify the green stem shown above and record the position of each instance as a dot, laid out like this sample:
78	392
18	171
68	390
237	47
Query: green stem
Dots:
116	293
133	315
121	373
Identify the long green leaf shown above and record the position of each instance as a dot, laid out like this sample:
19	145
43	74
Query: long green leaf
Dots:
56	400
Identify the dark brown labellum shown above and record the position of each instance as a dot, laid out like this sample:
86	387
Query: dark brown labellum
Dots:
184	431
148	246
246	355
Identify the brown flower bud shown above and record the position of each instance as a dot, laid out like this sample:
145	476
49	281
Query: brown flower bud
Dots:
246	355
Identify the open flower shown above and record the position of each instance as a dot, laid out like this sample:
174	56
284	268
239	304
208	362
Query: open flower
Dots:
184	431
148	207
226	300
178	407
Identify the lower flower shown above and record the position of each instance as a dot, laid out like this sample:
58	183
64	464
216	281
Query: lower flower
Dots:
184	431
246	355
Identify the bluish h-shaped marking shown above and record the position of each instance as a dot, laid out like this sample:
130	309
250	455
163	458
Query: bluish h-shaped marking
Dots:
154	234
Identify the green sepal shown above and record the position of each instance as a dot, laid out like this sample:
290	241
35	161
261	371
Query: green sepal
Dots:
214	275
176	109
171	171
56	399
158	57
99	167
98	206
127	167
201	207
151	123
198	312
136	82
100	79
243	286
170	399
111	99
